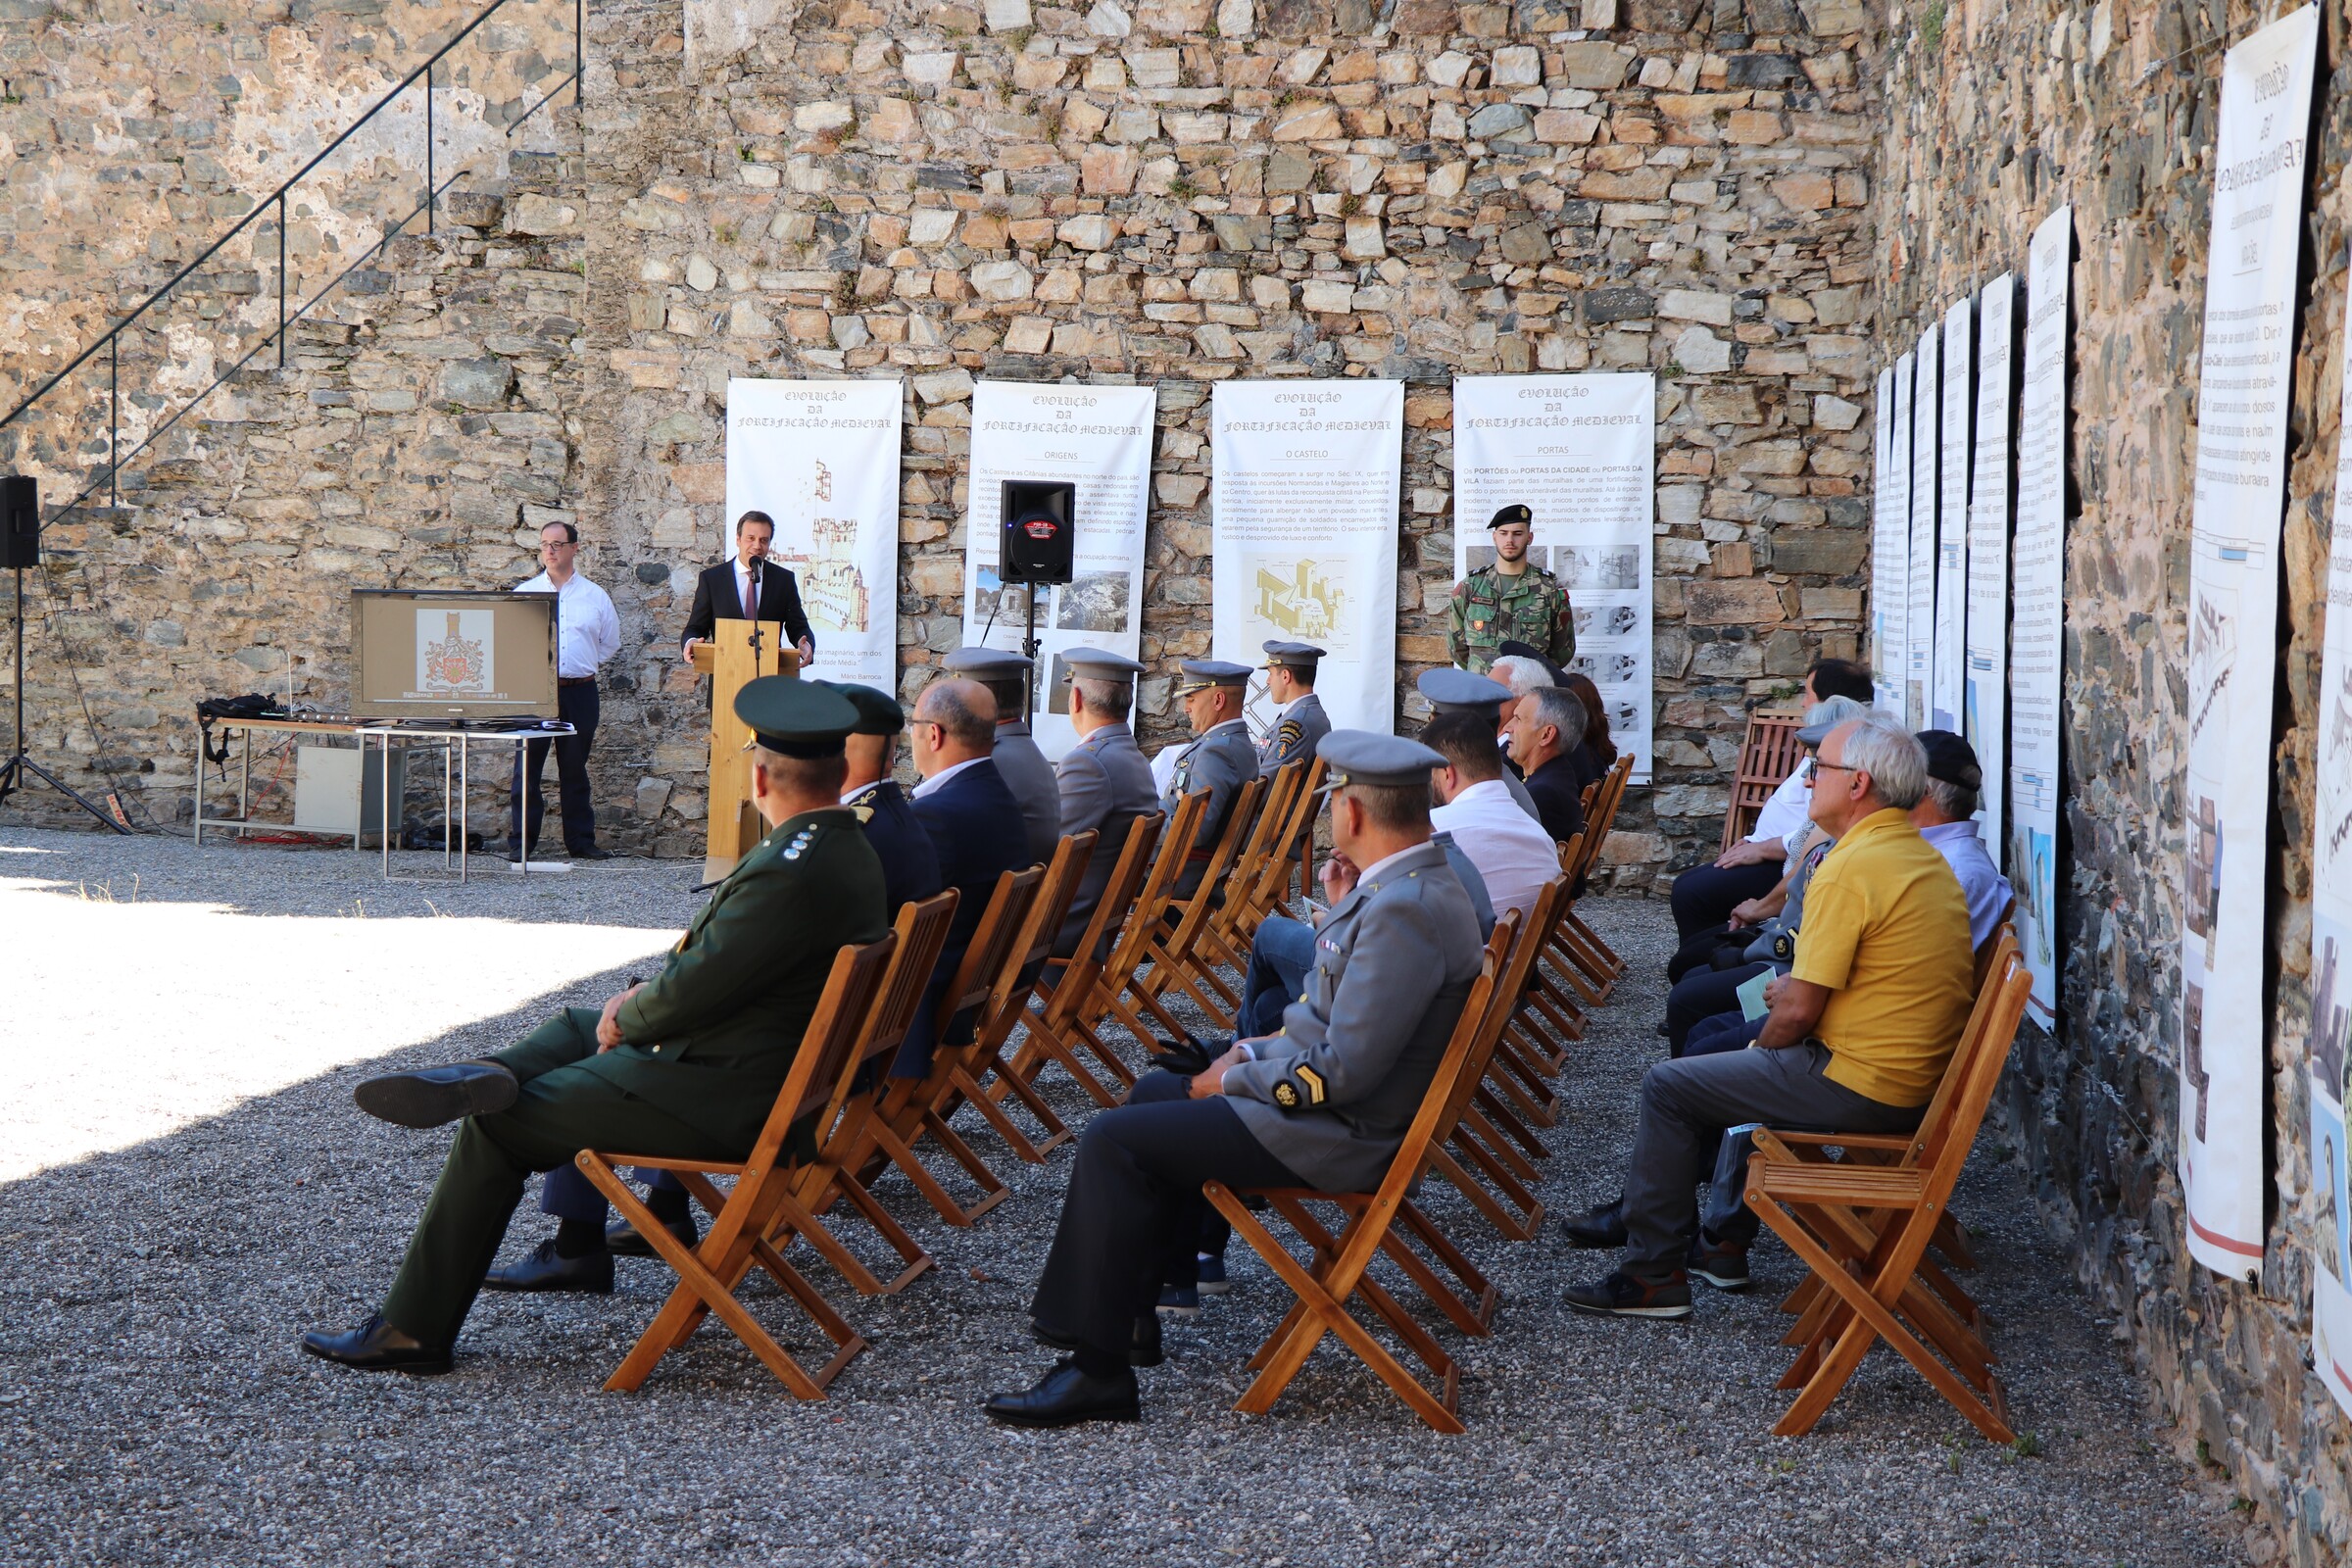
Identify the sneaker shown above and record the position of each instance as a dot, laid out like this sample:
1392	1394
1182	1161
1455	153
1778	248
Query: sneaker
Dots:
1602	1225
1209	1269
1623	1295
1723	1266
1179	1300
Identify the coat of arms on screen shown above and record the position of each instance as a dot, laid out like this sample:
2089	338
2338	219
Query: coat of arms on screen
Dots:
454	658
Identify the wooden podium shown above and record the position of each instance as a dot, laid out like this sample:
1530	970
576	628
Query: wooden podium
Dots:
730	658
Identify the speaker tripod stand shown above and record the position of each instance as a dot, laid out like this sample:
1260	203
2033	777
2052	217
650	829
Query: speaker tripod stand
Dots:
18	770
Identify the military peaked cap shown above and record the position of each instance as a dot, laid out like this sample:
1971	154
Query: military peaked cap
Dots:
1200	674
1292	656
1098	664
1457	691
878	712
796	717
1359	757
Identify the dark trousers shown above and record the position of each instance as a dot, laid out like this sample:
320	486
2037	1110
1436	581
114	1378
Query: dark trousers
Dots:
1280	955
567	1193
562	1109
526	808
1686	1108
1703	994
1131	1216
1705	895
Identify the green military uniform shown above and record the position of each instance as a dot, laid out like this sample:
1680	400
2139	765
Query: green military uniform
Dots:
707	1046
1489	610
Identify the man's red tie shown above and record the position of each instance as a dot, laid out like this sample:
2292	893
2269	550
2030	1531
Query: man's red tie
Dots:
750	597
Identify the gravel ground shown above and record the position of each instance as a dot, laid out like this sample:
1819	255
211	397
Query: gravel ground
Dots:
187	1188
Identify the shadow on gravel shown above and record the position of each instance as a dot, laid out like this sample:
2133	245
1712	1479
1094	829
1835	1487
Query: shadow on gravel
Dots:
155	1409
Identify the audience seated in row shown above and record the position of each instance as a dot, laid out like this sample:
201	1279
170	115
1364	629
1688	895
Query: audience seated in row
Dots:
1704	896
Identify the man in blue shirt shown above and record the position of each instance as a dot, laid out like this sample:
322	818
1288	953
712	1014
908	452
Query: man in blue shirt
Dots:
1945	817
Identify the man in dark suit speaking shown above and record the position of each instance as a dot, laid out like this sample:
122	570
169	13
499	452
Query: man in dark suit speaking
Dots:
751	587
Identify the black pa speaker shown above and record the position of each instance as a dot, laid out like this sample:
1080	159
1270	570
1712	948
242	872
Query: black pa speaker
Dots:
20	521
1037	542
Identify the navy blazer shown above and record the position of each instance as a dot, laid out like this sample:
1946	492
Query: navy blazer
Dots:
909	869
976	830
1560	797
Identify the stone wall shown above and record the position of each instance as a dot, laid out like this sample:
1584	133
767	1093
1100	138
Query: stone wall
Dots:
1181	193
1173	195
1998	115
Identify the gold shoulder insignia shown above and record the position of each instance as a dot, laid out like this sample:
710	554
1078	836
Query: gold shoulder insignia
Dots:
1291	732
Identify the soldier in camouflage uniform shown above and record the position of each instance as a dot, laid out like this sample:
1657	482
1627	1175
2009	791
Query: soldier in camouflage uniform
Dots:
1511	600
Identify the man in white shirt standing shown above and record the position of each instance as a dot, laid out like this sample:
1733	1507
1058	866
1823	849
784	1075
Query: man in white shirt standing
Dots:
1514	855
1705	895
587	633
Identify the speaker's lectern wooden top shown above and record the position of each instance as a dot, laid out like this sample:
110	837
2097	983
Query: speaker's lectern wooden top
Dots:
731	661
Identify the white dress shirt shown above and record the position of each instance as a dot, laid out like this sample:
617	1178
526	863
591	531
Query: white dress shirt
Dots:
1509	847
1789	808
587	628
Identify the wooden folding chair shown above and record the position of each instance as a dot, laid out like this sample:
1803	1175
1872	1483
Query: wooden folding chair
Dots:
1864	1230
1174	949
1056	1035
976	1071
921	931
1060	1016
1293	849
899	1117
1768	755
1338	1273
1576	943
708	1274
1225	938
1490	1172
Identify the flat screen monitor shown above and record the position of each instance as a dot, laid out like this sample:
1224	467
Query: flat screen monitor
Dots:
445	654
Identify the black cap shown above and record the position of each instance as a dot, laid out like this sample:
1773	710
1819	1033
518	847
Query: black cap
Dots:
1516	511
1951	759
796	717
878	712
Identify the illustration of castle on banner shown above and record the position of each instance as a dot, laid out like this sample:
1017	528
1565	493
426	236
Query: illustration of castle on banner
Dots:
1303	600
832	587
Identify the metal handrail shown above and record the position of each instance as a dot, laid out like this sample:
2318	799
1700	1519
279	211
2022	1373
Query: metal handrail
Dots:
111	340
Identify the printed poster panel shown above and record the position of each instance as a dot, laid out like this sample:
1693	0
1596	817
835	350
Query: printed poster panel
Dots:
2037	608
822	459
1099	439
1894	610
1985	706
2242	398
1581	449
1886	555
1925	453
2331	1048
1949	676
1305	488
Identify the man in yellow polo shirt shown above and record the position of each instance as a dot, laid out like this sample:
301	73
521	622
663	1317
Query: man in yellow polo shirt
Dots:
1859	1031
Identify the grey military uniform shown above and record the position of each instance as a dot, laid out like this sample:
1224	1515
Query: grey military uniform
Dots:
1303	724
1030	777
1332	1095
1106	784
1220	761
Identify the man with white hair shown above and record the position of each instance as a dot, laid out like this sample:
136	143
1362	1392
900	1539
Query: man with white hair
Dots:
1858	1036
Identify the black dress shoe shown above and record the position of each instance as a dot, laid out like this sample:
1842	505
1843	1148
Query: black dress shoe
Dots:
433	1095
591	852
1066	1396
1144	1349
377	1347
1602	1226
544	1270
622	1240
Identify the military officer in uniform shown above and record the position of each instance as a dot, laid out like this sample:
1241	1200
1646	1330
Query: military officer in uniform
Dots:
1456	691
687	1065
1325	1103
1024	767
909	865
1106	781
1513	600
1300	723
1220	761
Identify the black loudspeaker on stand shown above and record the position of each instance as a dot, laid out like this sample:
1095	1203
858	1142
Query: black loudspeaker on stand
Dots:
1037	547
20	548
